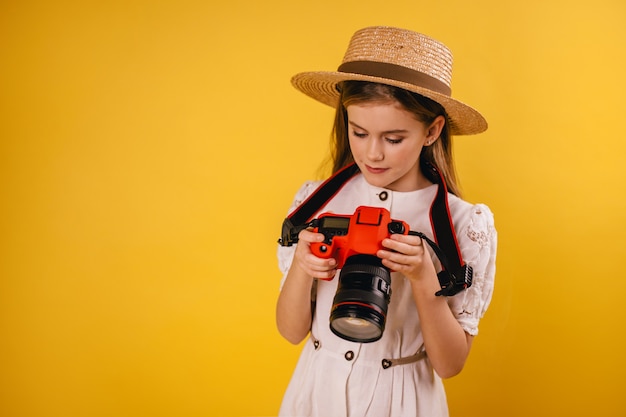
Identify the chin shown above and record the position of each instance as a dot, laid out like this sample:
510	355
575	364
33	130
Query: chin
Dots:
378	182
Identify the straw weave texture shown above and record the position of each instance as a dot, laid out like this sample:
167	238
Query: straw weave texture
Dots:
410	50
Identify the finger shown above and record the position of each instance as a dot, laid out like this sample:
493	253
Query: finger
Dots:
322	271
319	264
325	274
410	239
399	258
412	245
317	267
310	237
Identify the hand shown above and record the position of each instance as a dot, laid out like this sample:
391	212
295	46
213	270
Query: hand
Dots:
408	255
312	265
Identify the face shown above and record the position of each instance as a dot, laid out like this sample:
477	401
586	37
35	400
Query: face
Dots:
386	141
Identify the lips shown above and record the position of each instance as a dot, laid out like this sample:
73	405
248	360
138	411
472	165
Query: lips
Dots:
374	170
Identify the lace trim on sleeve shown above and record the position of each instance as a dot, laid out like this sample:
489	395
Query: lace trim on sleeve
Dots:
478	240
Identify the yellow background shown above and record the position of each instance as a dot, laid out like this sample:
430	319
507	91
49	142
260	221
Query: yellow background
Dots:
150	149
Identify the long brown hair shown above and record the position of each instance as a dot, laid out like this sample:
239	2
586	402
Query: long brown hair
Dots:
425	110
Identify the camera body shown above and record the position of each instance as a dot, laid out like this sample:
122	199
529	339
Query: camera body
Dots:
360	304
361	233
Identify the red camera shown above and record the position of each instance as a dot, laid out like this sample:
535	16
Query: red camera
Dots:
363	293
360	233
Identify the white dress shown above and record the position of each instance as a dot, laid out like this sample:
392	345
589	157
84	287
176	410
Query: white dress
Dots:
336	377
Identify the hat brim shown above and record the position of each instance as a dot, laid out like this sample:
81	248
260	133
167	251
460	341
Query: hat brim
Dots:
322	86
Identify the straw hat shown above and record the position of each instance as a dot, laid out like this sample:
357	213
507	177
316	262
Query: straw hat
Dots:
401	58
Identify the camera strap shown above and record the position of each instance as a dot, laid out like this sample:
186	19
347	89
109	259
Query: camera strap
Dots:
299	218
456	274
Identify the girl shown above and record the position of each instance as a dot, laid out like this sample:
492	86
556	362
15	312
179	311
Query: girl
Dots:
394	113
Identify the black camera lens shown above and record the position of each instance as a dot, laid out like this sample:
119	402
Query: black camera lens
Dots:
360	304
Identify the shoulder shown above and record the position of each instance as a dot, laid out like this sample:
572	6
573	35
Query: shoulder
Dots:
474	223
464	212
303	193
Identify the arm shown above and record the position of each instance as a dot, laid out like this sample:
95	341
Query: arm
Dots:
447	344
293	309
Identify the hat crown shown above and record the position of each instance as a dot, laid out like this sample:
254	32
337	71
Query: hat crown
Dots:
401	47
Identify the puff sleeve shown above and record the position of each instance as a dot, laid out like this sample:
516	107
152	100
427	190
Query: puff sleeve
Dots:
478	241
285	253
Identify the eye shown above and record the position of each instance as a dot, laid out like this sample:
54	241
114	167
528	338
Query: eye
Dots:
359	134
394	141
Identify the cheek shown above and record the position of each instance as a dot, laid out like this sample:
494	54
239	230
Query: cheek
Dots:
406	151
355	145
405	157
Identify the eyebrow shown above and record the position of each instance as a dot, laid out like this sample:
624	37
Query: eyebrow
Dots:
386	131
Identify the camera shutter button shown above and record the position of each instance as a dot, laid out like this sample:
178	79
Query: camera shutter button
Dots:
383	195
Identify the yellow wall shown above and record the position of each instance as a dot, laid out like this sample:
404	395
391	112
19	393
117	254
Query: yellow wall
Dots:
150	149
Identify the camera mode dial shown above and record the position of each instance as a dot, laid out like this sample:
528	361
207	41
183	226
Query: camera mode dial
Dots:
396	227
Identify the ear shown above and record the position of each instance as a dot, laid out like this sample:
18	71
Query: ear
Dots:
434	130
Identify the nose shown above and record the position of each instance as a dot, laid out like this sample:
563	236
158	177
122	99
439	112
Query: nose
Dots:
375	150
